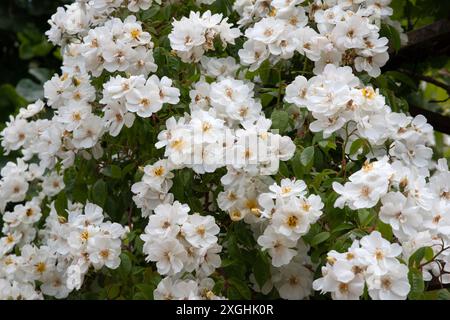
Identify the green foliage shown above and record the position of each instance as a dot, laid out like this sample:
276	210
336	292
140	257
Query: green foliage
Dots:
26	54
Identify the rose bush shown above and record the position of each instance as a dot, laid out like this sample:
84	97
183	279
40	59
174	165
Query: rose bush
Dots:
217	150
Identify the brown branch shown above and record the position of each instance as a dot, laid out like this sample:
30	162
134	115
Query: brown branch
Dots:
431	40
440	101
428	79
438	121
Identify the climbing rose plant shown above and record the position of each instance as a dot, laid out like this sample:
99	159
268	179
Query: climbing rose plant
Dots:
217	150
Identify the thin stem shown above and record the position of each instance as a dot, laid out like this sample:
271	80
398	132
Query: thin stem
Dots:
434	258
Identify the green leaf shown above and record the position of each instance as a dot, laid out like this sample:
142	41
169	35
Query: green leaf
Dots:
342	227
284	169
112	171
218	286
113	291
417	284
33	44
30	90
167	12
241	287
99	193
227	262
392	34
264	71
125	264
61	204
146	291
319	238
307	156
140	296
267	98
419	255
41	74
395	38
128	168
365	217
150	13
443	294
403	78
10	102
429	254
297	166
416	258
280	120
356	145
385	230
261	268
233	293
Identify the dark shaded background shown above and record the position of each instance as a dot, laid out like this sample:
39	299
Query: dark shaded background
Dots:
23	46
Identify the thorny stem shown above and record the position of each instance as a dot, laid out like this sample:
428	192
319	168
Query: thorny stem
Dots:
344	146
435	256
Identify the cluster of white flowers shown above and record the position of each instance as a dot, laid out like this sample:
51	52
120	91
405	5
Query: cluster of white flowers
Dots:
137	95
291	214
366	186
14	183
371	261
73	21
179	243
113	45
279	215
69	247
225	128
153	189
228	99
293	281
192	37
218	68
240	196
18	178
18	225
340	103
415	205
279	219
174	288
118	46
347	32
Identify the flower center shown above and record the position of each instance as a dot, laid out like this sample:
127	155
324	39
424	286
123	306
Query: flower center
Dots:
368	93
177	144
386	283
159	171
84	235
379	254
365	191
292	221
268	32
206	126
286	190
29	212
135	33
104	254
41	267
293	281
343	288
201	230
